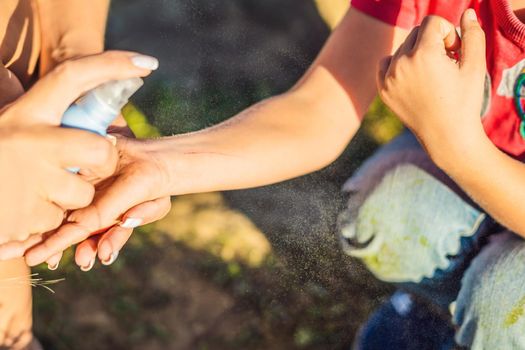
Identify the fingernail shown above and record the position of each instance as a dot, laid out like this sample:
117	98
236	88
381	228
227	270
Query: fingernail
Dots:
53	267
112	139
131	223
104	249
471	15
111	259
145	62
89	267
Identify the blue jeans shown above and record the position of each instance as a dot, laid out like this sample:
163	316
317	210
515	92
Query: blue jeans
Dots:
412	226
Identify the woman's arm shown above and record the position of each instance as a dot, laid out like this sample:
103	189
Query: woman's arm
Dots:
71	29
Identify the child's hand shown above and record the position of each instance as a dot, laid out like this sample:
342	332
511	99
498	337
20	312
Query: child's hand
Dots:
435	95
132	197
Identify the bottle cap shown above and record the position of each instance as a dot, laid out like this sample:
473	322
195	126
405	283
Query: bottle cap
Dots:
116	94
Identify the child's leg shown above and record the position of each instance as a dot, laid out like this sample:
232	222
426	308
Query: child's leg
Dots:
15	305
490	309
410	224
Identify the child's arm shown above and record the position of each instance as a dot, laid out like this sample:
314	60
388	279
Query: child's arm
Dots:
298	132
440	100
289	135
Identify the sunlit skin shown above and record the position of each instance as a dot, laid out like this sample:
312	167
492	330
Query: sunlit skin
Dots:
295	133
286	136
34	181
289	135
25	39
452	131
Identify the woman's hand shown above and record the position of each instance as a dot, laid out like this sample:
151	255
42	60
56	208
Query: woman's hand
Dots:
434	83
135	195
35	151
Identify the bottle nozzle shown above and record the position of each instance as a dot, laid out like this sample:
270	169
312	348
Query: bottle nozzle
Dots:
116	94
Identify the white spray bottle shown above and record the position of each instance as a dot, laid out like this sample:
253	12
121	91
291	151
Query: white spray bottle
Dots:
96	110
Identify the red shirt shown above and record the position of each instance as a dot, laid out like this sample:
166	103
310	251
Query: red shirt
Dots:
505	55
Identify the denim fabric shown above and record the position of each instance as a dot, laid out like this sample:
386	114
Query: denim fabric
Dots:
490	309
404	324
412	226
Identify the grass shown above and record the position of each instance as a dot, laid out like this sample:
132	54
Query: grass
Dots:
206	277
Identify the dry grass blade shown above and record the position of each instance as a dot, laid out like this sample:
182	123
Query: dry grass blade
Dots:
33	280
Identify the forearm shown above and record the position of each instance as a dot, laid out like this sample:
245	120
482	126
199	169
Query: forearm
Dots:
492	178
275	140
293	134
71	28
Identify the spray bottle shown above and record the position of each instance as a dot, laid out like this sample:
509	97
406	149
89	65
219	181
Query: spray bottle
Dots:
96	110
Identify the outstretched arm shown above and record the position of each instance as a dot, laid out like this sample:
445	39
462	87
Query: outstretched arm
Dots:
295	133
289	135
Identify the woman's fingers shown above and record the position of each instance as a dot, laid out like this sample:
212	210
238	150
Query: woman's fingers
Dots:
16	249
67	235
68	192
108	244
58	89
46	217
54	261
148	212
82	149
86	253
111	243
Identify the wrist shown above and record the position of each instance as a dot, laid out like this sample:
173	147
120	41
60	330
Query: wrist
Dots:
169	161
467	145
186	163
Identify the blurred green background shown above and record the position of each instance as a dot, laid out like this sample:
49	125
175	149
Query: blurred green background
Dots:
258	269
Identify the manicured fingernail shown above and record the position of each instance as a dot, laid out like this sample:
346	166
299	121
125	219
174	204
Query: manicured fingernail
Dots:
145	62
112	139
131	223
471	14
104	249
53	267
111	259
89	267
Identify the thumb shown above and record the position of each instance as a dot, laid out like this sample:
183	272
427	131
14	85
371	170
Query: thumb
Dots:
437	32
473	55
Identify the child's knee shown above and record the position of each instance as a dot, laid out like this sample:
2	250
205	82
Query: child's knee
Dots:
490	309
408	225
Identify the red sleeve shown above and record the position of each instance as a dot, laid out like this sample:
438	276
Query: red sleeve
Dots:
400	13
409	13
